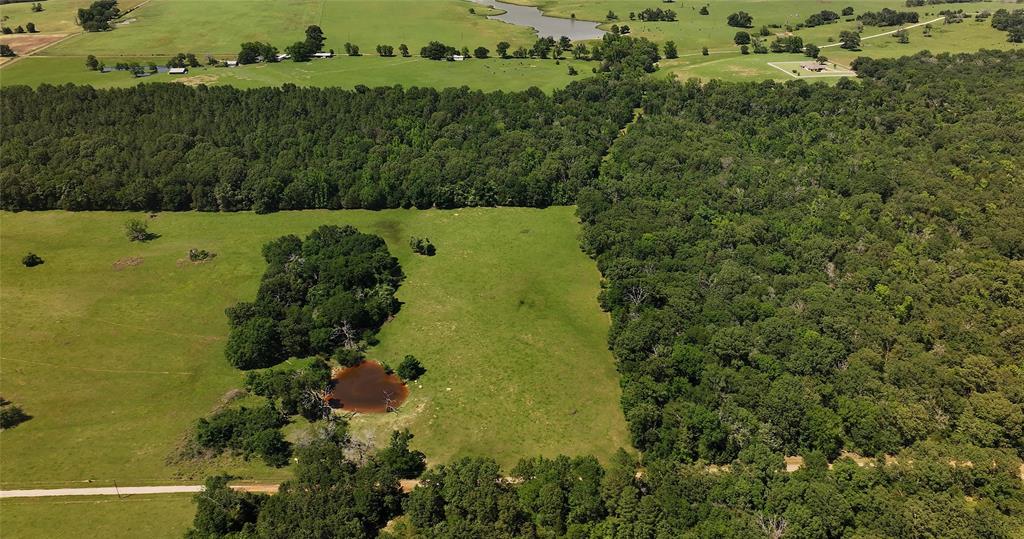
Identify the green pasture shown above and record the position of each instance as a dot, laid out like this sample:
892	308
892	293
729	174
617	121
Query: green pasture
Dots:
58	16
165	27
159	516
370	70
161	28
115	365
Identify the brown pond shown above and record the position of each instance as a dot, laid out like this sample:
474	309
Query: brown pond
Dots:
367	388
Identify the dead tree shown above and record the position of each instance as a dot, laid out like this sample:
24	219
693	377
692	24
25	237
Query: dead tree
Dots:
390	405
774	527
347	333
318	399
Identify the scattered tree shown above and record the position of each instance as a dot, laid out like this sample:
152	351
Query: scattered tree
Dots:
740	19
31	260
410	368
137	229
669	49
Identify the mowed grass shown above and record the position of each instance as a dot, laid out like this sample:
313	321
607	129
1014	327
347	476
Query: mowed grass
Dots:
58	16
217	27
346	72
150	516
115	365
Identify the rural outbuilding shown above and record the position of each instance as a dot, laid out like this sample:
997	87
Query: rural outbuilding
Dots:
178	70
814	66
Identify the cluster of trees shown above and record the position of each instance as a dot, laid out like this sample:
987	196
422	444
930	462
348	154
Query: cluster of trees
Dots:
29	27
256	51
849	40
887	17
6	51
247	432
919	3
823	17
295	392
545	47
1011	22
97	17
654	15
302	51
331	495
172	147
322	296
788	44
740	19
183	59
772	282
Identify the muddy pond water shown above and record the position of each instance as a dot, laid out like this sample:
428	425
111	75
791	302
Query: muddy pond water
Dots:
545	26
368	389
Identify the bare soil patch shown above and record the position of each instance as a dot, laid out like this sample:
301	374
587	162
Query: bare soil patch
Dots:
196	80
128	262
24	44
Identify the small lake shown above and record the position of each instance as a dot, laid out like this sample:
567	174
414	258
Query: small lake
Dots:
367	388
576	30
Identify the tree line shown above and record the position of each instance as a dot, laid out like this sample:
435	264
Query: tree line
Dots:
888	17
171	147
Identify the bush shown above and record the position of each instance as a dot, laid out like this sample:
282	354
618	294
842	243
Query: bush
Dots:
410	369
11	416
200	255
422	246
246	431
138	230
31	260
347	357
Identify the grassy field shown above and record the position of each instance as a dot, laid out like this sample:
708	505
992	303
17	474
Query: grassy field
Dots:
694	31
161	28
115	365
370	70
217	27
151	516
58	16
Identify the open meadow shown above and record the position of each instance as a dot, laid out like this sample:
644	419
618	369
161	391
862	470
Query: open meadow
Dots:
115	357
159	516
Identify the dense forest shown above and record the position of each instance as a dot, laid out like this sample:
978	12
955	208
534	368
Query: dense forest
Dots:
171	147
835	272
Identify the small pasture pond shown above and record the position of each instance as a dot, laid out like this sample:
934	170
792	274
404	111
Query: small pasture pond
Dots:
367	388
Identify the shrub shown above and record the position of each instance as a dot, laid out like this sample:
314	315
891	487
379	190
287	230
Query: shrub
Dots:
422	246
200	255
246	431
12	415
410	369
31	260
138	230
